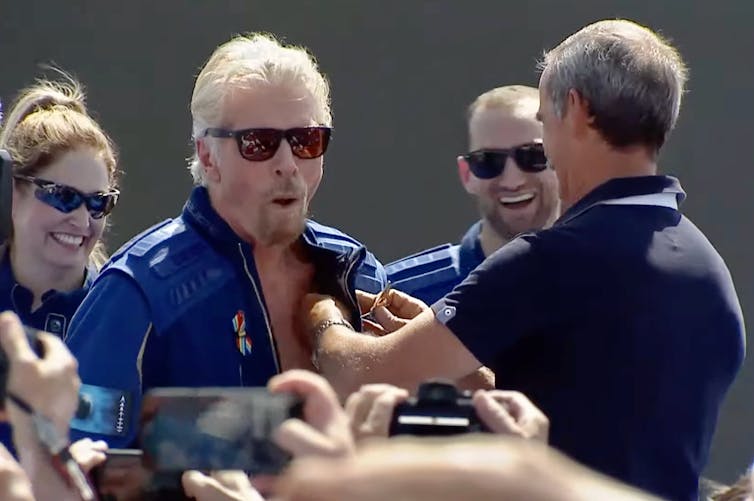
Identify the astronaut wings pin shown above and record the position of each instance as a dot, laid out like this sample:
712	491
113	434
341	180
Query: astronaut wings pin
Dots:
243	341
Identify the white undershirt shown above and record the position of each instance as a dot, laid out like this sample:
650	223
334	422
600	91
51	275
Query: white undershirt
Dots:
656	199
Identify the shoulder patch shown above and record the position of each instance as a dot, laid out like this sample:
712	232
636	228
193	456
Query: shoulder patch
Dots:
157	237
137	238
164	249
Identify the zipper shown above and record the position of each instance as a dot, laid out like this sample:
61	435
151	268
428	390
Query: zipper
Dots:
351	294
13	298
264	313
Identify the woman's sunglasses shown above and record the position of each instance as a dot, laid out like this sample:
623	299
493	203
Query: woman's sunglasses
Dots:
258	145
489	163
67	199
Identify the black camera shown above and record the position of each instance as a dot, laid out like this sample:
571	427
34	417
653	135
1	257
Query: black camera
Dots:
439	409
6	195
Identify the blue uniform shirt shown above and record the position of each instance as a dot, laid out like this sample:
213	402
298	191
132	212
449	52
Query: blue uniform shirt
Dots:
182	305
621	323
429	275
53	315
57	308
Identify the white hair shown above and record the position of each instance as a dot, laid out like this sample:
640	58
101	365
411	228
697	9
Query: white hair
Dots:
631	77
247	60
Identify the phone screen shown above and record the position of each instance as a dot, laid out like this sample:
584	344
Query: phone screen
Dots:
6	195
123	477
214	429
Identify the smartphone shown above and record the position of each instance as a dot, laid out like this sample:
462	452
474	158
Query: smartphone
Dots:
121	477
124	477
6	195
214	429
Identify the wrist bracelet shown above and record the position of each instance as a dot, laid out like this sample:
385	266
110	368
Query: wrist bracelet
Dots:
322	326
320	329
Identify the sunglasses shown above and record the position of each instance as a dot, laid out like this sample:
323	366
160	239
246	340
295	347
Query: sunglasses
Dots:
489	163
258	145
67	199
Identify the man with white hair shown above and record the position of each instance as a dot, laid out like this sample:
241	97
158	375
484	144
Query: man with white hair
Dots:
211	297
621	321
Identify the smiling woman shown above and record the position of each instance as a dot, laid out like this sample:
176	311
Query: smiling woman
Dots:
64	178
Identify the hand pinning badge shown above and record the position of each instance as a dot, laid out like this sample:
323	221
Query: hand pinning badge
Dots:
382	299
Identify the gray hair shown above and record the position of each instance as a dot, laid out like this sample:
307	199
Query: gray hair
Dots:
247	60
632	79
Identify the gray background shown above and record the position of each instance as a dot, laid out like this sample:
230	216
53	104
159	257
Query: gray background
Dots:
402	73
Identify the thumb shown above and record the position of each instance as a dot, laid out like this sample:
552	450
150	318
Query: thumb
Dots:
203	488
365	300
387	320
301	439
494	415
373	327
13	338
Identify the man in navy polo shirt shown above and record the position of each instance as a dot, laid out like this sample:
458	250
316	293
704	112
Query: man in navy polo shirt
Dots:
621	322
507	174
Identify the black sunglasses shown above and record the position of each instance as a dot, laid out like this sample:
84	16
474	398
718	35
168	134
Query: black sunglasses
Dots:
258	145
67	199
489	163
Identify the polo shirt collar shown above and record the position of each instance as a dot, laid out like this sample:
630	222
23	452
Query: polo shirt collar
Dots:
622	187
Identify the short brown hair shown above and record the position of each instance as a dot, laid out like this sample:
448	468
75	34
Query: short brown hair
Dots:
508	98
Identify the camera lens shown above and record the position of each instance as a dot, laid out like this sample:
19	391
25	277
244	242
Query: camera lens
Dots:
437	392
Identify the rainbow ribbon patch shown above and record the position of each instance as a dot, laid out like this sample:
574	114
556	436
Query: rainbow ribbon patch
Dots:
243	341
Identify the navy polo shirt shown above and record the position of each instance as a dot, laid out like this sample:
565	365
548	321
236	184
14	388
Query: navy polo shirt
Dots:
621	323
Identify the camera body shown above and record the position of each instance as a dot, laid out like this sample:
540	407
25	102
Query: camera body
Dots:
6	195
439	409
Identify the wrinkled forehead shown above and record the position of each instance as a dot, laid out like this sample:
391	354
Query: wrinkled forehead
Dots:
503	128
280	106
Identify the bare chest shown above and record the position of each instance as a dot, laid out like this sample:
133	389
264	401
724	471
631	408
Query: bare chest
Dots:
283	293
